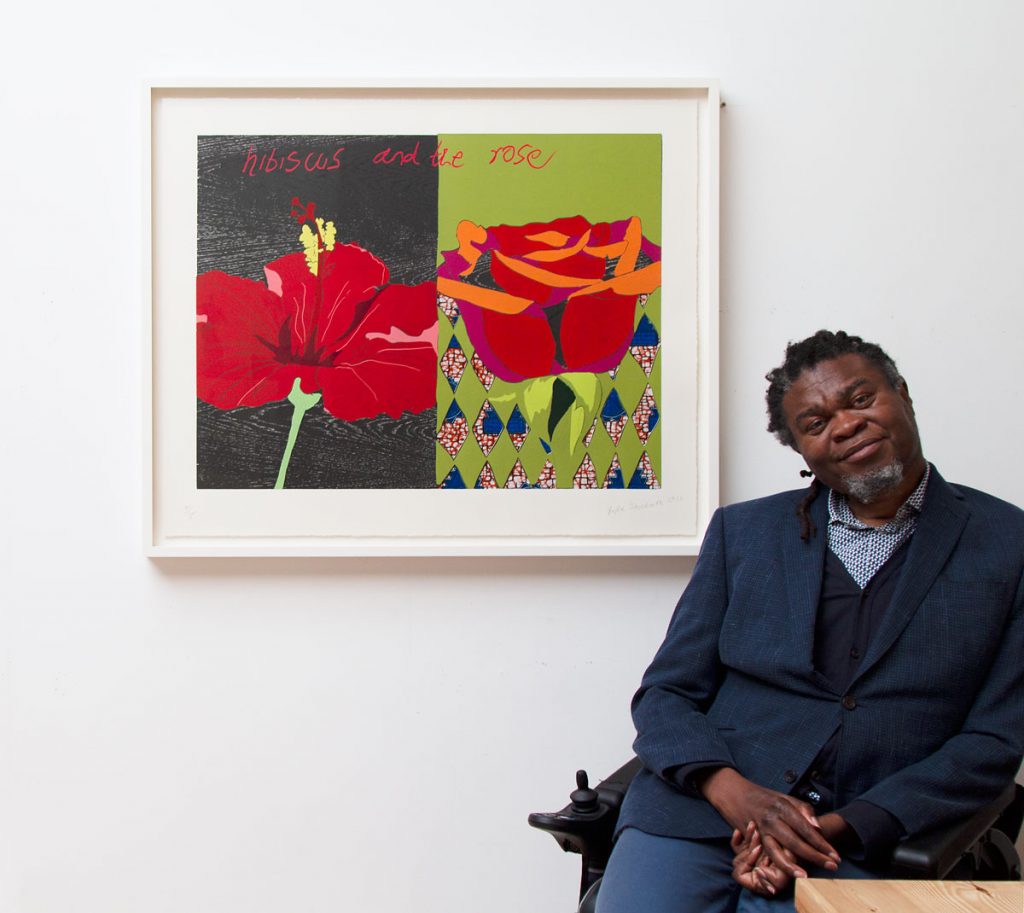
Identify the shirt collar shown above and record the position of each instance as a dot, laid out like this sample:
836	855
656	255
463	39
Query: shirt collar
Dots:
839	510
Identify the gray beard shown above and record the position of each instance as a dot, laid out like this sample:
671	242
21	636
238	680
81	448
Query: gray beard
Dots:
872	485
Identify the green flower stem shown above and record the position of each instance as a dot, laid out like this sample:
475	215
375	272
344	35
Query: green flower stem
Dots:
302	403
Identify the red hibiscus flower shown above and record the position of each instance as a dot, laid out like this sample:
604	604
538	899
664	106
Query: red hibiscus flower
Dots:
338	327
553	297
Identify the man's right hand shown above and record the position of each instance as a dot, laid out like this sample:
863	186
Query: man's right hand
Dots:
787	826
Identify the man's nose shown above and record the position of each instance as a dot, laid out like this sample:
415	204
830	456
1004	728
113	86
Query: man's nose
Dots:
846	424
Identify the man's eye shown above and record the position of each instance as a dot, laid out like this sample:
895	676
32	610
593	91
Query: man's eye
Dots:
862	399
814	426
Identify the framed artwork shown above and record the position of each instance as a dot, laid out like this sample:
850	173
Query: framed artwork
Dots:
436	320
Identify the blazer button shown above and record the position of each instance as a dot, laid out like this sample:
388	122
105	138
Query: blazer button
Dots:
849	702
789	776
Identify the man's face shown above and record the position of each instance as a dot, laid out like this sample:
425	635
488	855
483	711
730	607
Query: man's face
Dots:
855	432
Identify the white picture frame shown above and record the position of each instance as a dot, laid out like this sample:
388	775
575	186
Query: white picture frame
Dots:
182	520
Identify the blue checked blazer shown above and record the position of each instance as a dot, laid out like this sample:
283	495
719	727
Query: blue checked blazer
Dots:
933	721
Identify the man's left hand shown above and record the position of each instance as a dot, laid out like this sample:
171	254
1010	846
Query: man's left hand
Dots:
755	870
752	868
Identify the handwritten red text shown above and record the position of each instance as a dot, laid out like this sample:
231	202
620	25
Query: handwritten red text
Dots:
291	161
516	155
398	157
440	157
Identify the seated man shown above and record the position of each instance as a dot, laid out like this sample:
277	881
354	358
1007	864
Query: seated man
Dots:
845	667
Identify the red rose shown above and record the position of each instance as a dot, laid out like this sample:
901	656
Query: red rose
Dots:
549	298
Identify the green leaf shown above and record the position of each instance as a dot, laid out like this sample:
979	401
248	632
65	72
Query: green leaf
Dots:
562	398
576	426
536	399
587	389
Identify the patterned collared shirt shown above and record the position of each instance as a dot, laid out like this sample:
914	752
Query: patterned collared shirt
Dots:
864	549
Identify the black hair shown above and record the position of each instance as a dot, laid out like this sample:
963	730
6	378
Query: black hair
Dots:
802	356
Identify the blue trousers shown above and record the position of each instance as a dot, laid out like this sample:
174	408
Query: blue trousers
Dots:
648	874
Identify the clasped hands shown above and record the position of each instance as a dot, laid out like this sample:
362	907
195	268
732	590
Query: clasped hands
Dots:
773	833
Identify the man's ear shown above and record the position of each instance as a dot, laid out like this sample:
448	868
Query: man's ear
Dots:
904	391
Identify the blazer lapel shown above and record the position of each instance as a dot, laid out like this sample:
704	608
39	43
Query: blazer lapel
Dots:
942	520
804	564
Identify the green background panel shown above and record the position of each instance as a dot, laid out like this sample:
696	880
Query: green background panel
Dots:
603	177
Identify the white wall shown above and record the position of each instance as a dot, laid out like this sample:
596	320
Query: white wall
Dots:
271	737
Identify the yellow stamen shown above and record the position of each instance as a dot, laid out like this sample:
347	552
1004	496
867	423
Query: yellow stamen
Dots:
328	233
311	248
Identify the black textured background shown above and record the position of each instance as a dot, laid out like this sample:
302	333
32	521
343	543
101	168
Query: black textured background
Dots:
245	222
